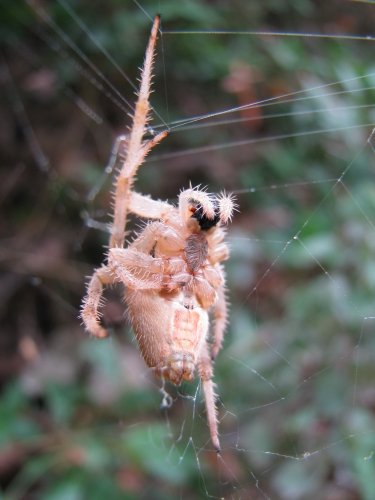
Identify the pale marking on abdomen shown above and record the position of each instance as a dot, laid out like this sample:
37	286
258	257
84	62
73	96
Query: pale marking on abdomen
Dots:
185	326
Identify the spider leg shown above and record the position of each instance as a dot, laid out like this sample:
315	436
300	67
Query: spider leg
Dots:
131	259
123	186
142	107
221	320
140	271
218	253
212	275
156	232
92	302
136	150
205	373
146	207
216	278
204	291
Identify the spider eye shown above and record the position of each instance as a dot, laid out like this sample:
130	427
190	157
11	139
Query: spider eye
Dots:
204	222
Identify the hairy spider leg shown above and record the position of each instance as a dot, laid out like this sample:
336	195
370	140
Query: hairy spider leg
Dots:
205	374
135	152
93	300
221	320
146	207
124	183
140	271
155	232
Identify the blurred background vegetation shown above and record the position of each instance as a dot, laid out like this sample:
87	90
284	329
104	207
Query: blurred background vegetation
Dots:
81	418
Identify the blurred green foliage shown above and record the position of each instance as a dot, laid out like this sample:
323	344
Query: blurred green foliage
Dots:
81	418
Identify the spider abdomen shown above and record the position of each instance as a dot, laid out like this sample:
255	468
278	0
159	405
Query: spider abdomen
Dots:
170	336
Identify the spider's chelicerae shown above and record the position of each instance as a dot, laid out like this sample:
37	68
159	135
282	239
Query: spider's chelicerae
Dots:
171	271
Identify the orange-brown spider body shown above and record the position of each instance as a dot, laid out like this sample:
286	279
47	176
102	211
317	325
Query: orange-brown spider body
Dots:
171	271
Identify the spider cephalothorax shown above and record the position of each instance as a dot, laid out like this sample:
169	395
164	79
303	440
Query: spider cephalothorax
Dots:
171	271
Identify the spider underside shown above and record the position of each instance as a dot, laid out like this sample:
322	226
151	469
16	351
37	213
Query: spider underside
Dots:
171	271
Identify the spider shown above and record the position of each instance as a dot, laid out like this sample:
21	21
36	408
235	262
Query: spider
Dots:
171	271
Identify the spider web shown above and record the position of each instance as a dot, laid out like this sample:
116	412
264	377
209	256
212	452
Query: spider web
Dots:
296	398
